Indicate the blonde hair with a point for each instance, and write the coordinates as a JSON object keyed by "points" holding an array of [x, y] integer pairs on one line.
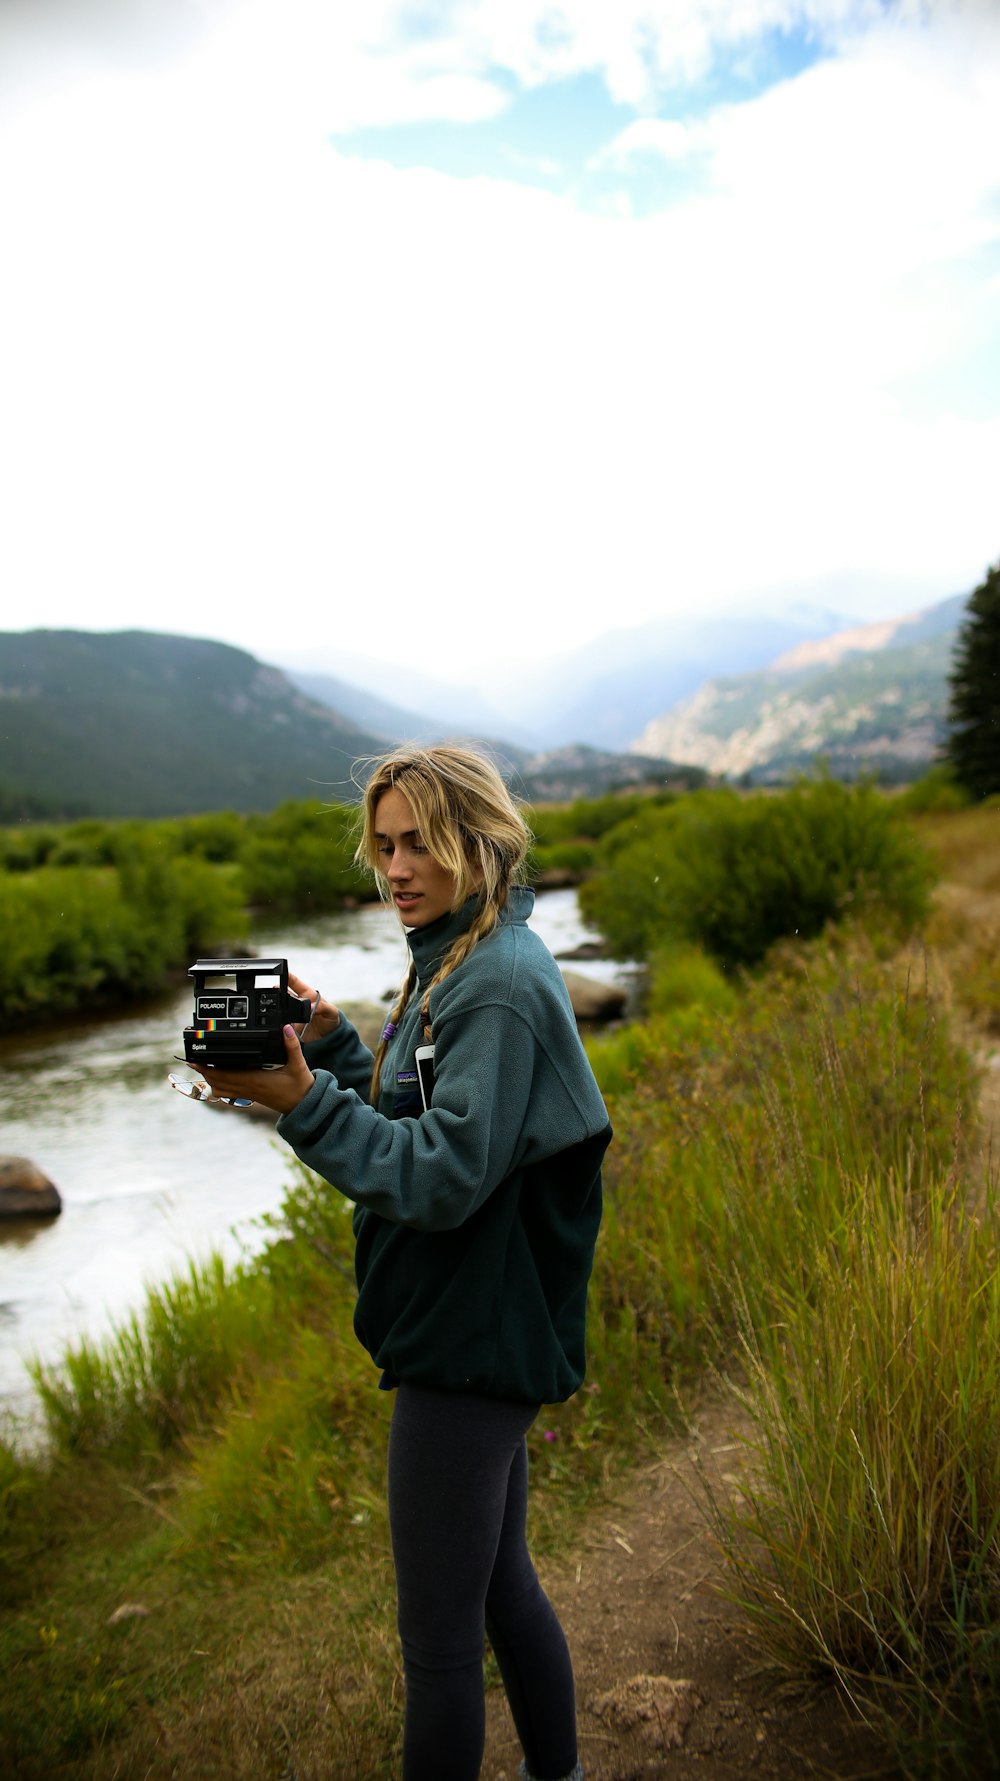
{"points": [[470, 824]]}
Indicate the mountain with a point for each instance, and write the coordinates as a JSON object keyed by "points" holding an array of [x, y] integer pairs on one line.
{"points": [[378, 715], [356, 686], [600, 693], [460, 714], [872, 698], [133, 723], [547, 776], [605, 690]]}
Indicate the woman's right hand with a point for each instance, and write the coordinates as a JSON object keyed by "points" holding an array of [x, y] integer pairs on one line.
{"points": [[325, 1017]]}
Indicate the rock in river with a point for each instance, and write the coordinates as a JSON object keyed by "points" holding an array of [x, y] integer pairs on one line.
{"points": [[24, 1191], [593, 1000]]}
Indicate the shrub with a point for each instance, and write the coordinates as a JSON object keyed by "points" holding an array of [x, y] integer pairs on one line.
{"points": [[685, 977], [937, 793], [76, 934], [587, 819], [301, 857], [735, 874], [576, 857]]}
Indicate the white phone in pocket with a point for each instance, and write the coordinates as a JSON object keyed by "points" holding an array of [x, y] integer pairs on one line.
{"points": [[424, 1056]]}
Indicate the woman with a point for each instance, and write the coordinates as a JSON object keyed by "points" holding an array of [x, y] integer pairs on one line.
{"points": [[475, 1223]]}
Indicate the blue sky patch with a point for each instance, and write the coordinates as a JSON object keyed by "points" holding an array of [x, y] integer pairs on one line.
{"points": [[552, 136]]}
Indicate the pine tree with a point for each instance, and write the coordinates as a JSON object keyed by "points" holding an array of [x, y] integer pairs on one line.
{"points": [[974, 742]]}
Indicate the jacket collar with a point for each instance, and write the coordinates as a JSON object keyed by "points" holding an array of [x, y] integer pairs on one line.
{"points": [[428, 945]]}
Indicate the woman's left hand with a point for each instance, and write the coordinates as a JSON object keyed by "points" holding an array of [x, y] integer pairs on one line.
{"points": [[281, 1090]]}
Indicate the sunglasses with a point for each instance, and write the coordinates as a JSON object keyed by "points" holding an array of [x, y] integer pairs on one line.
{"points": [[195, 1090]]}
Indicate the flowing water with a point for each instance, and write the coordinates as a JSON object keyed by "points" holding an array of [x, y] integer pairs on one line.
{"points": [[148, 1179]]}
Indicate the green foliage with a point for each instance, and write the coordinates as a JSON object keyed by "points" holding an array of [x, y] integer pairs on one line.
{"points": [[736, 1141], [17, 1486], [100, 911], [566, 835], [573, 857], [974, 738], [683, 977], [734, 874], [301, 857], [292, 1463], [74, 935], [936, 794], [257, 1372], [70, 1704], [165, 1370], [867, 1539], [587, 819]]}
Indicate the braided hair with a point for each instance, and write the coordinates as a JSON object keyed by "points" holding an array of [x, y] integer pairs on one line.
{"points": [[470, 825]]}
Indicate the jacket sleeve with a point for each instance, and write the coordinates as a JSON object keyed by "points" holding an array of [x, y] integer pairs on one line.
{"points": [[433, 1172], [345, 1054]]}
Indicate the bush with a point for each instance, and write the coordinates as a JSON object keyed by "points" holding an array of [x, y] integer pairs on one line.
{"points": [[682, 977], [576, 857], [587, 819], [735, 874], [934, 795], [76, 934], [301, 857]]}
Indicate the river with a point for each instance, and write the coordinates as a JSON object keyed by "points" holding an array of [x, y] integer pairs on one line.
{"points": [[148, 1179]]}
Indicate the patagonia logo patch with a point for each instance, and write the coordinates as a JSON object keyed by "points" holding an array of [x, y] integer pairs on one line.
{"points": [[406, 1078]]}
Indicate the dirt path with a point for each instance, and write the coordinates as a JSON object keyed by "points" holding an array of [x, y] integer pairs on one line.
{"points": [[667, 1680], [668, 1677]]}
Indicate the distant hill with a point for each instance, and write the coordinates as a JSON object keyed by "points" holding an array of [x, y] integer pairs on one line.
{"points": [[438, 710], [561, 774], [551, 776], [870, 699], [134, 723], [380, 717]]}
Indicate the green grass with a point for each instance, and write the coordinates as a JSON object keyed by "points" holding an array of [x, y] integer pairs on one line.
{"points": [[867, 1540]]}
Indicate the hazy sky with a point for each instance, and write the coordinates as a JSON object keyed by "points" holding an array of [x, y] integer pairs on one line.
{"points": [[473, 329]]}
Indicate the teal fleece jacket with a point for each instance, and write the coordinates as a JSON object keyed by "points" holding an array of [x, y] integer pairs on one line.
{"points": [[475, 1221]]}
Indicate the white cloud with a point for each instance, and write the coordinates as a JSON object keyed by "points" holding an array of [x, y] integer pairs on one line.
{"points": [[640, 47], [666, 138], [257, 389]]}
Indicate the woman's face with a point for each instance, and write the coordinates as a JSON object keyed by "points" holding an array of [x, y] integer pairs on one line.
{"points": [[421, 889]]}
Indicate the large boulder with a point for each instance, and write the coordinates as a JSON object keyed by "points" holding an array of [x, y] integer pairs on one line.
{"points": [[593, 1000], [25, 1192]]}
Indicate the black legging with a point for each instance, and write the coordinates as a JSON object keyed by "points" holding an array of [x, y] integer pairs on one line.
{"points": [[458, 1493]]}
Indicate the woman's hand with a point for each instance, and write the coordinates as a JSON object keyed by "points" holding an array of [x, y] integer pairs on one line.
{"points": [[325, 1017], [281, 1089]]}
